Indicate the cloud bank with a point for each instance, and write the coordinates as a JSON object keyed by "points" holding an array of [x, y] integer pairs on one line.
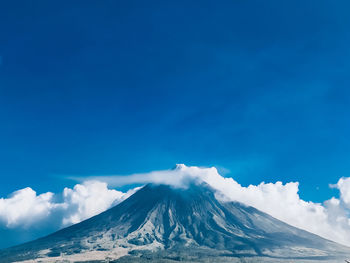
{"points": [[25, 209], [330, 219]]}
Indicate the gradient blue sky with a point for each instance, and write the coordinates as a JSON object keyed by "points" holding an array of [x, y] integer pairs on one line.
{"points": [[259, 89]]}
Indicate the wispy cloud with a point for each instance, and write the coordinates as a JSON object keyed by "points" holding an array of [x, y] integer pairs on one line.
{"points": [[177, 177]]}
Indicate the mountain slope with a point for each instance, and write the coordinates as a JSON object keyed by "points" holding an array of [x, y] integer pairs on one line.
{"points": [[163, 222]]}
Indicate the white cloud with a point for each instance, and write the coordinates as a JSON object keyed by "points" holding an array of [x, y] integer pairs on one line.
{"points": [[344, 187], [329, 219], [25, 209], [88, 199]]}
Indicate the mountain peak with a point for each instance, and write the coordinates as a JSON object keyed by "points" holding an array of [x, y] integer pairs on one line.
{"points": [[165, 220]]}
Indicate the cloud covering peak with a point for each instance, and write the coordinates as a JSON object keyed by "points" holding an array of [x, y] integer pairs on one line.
{"points": [[180, 176], [330, 219]]}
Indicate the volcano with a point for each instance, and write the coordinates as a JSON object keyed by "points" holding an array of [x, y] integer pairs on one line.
{"points": [[160, 223]]}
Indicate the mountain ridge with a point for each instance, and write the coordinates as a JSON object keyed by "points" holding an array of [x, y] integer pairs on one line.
{"points": [[160, 219]]}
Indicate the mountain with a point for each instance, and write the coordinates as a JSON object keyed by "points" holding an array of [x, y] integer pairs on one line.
{"points": [[164, 224]]}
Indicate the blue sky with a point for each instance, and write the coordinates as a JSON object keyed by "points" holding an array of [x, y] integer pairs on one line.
{"points": [[258, 89]]}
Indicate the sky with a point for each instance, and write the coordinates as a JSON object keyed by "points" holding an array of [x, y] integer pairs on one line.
{"points": [[95, 88]]}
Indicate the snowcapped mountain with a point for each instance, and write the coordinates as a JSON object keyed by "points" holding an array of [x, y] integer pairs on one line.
{"points": [[160, 223]]}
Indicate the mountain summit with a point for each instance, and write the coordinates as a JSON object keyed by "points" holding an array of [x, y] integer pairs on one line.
{"points": [[167, 224]]}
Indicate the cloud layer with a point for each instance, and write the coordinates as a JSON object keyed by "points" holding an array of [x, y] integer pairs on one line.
{"points": [[330, 219]]}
